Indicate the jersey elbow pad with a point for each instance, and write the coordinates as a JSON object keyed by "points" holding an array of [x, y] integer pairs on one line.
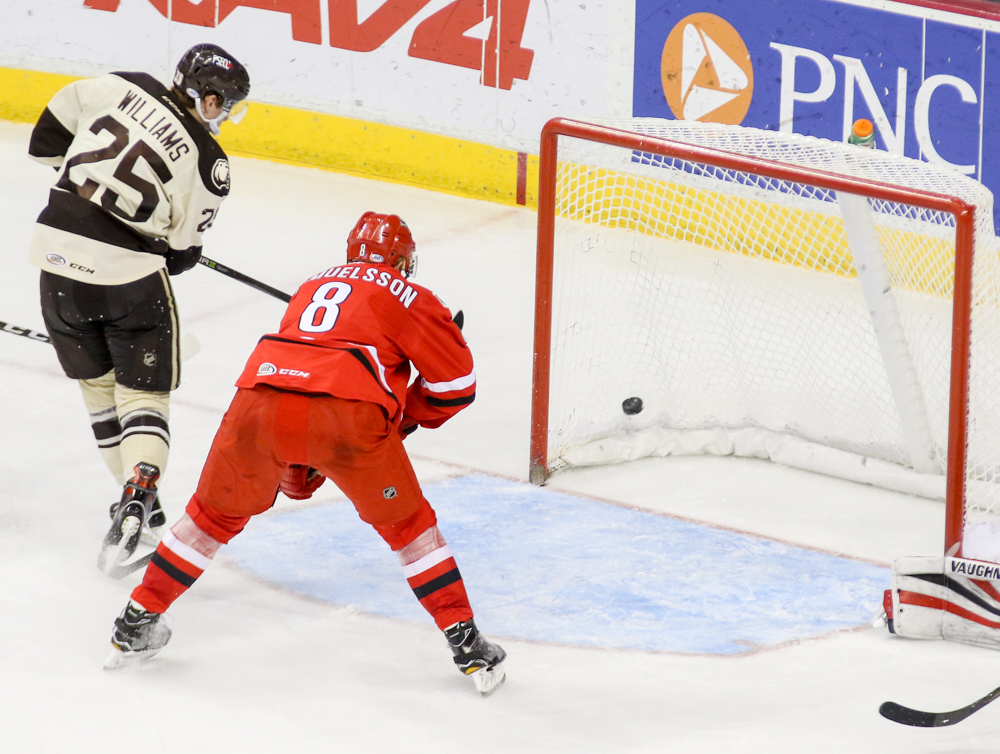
{"points": [[50, 140]]}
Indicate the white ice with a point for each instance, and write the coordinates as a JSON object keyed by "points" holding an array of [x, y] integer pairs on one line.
{"points": [[255, 669]]}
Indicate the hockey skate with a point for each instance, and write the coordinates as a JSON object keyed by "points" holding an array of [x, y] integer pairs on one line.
{"points": [[131, 514], [152, 532], [138, 635], [476, 656]]}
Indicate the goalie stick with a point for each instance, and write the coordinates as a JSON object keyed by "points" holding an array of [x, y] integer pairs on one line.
{"points": [[906, 716], [230, 272]]}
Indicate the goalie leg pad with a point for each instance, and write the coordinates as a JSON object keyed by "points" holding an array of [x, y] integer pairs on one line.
{"points": [[917, 601], [951, 598]]}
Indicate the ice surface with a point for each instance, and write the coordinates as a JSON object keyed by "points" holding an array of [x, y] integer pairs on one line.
{"points": [[255, 668]]}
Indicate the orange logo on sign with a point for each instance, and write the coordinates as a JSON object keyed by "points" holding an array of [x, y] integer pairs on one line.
{"points": [[706, 71]]}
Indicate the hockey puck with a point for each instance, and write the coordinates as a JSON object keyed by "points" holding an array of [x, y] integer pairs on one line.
{"points": [[632, 406]]}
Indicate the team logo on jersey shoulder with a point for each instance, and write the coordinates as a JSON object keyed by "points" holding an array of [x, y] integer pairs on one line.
{"points": [[220, 174], [55, 259], [266, 369]]}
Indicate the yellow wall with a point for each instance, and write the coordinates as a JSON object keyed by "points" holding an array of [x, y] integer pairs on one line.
{"points": [[344, 145]]}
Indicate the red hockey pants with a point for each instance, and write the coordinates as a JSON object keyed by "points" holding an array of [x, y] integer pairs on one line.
{"points": [[352, 443]]}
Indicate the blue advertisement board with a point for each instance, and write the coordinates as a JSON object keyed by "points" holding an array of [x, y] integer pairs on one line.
{"points": [[927, 80]]}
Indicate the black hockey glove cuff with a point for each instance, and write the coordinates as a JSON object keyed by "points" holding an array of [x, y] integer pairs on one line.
{"points": [[182, 261]]}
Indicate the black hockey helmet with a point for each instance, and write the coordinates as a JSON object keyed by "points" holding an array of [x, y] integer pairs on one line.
{"points": [[208, 69]]}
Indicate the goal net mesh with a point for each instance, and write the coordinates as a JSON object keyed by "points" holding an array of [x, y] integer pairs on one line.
{"points": [[731, 305]]}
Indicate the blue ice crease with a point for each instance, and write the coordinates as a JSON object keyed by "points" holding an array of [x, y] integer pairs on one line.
{"points": [[549, 566]]}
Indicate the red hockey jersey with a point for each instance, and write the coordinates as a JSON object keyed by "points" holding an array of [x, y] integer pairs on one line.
{"points": [[353, 330]]}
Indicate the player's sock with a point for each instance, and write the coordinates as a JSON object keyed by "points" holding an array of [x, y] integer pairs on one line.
{"points": [[181, 557], [433, 576], [99, 397]]}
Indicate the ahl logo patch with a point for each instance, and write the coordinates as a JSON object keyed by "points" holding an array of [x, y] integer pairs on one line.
{"points": [[266, 369], [55, 259], [389, 493], [220, 174]]}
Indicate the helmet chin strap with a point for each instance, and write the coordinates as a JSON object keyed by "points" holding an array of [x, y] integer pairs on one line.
{"points": [[212, 123]]}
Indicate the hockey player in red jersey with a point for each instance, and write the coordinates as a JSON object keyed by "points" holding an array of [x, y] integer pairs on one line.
{"points": [[327, 396], [140, 180]]}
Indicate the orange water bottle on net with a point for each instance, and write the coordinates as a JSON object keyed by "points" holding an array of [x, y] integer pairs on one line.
{"points": [[862, 133]]}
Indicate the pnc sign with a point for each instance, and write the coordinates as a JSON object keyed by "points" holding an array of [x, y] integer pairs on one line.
{"points": [[706, 71], [927, 80]]}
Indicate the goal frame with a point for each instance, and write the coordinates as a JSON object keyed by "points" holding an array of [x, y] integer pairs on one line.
{"points": [[963, 212]]}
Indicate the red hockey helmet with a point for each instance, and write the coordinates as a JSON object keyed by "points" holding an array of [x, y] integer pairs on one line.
{"points": [[382, 239]]}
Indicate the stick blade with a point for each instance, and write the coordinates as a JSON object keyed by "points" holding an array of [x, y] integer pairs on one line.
{"points": [[906, 716], [190, 345]]}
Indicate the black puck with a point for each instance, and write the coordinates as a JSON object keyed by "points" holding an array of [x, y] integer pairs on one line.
{"points": [[632, 406]]}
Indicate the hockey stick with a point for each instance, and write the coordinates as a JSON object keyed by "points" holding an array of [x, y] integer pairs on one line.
{"points": [[190, 345], [24, 332], [121, 571], [230, 272], [906, 716]]}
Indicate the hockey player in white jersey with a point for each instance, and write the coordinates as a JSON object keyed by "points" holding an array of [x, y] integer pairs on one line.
{"points": [[140, 179]]}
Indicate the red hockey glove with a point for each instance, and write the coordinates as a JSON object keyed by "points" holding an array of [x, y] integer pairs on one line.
{"points": [[407, 427], [300, 482]]}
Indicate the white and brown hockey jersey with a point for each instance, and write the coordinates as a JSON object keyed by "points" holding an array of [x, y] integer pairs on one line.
{"points": [[138, 176]]}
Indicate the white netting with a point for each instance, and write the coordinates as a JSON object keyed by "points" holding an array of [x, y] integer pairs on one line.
{"points": [[731, 305]]}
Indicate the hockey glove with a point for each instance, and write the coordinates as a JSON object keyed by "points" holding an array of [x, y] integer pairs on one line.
{"points": [[300, 482], [183, 260]]}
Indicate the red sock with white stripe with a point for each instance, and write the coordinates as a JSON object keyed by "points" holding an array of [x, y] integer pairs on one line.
{"points": [[180, 558], [433, 574]]}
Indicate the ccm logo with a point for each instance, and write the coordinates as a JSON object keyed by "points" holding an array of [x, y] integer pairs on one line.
{"points": [[267, 369]]}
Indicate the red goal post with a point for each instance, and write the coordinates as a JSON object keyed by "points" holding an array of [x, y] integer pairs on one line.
{"points": [[641, 142]]}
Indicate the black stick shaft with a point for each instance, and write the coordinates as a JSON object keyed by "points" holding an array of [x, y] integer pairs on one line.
{"points": [[24, 332], [906, 716], [230, 272]]}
